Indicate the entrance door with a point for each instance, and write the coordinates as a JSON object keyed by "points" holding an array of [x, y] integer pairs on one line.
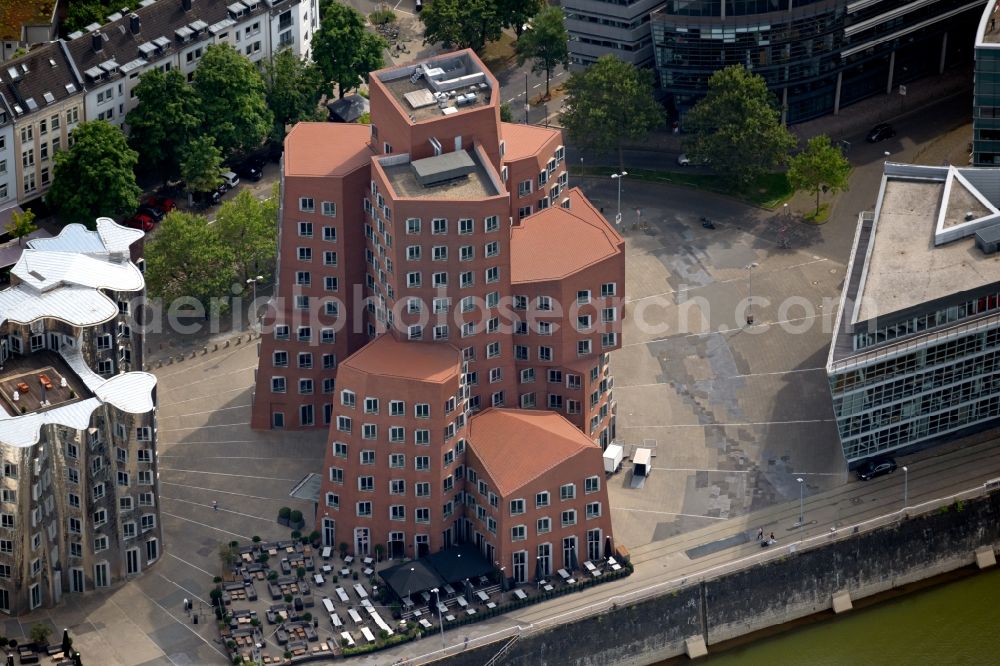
{"points": [[329, 532], [594, 545], [544, 562], [132, 561], [397, 545], [76, 581], [361, 541], [520, 567], [101, 574], [54, 341], [423, 545]]}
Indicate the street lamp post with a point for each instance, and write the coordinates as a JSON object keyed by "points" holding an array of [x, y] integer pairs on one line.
{"points": [[437, 602], [906, 486], [750, 268], [527, 101], [253, 304], [801, 499], [618, 177]]}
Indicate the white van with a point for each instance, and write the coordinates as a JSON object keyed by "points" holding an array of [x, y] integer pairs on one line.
{"points": [[231, 179]]}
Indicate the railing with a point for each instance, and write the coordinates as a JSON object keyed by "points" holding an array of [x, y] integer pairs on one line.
{"points": [[835, 534]]}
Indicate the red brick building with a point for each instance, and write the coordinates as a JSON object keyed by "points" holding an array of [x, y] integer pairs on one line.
{"points": [[433, 265]]}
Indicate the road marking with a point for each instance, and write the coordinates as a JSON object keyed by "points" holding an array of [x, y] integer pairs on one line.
{"points": [[202, 398], [710, 425], [211, 527], [242, 476], [211, 411], [224, 492], [193, 566], [752, 374], [537, 85], [220, 425], [512, 99], [726, 329], [667, 513], [209, 506], [175, 618]]}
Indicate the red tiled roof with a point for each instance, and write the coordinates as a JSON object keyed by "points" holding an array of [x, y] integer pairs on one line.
{"points": [[517, 446], [422, 361], [522, 141], [326, 149], [557, 242]]}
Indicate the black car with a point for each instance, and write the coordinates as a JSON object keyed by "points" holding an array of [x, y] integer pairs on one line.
{"points": [[251, 170], [880, 132], [152, 211], [872, 468]]}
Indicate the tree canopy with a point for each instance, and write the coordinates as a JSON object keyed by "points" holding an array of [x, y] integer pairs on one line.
{"points": [[202, 165], [21, 224], [462, 23], [546, 44], [233, 106], [343, 49], [819, 168], [166, 119], [186, 257], [249, 228], [292, 89], [610, 102], [515, 13], [96, 176], [737, 126]]}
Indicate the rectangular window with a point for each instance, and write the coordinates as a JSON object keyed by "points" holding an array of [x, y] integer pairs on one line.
{"points": [[307, 205], [567, 492], [329, 209], [543, 525]]}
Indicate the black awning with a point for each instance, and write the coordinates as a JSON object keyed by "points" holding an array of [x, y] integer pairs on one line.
{"points": [[458, 563], [410, 578]]}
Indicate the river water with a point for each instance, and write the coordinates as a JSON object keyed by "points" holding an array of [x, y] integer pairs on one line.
{"points": [[952, 623]]}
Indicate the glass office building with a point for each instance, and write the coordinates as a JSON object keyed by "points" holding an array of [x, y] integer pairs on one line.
{"points": [[915, 354], [986, 90], [817, 56]]}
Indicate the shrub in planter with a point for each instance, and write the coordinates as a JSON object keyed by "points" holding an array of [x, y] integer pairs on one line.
{"points": [[234, 544], [288, 598], [217, 580], [343, 549], [273, 575], [262, 558], [284, 513], [307, 616], [295, 520], [296, 535], [256, 539], [300, 572], [315, 537], [354, 574]]}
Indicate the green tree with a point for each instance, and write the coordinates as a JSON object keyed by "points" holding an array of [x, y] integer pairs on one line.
{"points": [[186, 257], [506, 114], [819, 168], [249, 228], [96, 176], [40, 633], [610, 102], [737, 126], [464, 24], [515, 13], [546, 44], [233, 105], [81, 13], [292, 89], [166, 119], [21, 224], [202, 165], [344, 49]]}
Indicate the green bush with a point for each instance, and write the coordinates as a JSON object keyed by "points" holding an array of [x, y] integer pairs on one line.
{"points": [[256, 539], [295, 533], [288, 598], [284, 512], [382, 16], [296, 517]]}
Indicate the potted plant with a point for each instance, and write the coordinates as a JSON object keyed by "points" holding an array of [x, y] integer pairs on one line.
{"points": [[284, 513], [301, 573], [343, 549], [40, 634], [295, 520], [315, 538], [379, 550], [296, 535]]}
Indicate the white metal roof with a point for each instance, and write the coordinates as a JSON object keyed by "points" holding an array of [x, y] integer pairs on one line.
{"points": [[130, 392], [45, 270], [78, 306], [23, 431], [110, 238]]}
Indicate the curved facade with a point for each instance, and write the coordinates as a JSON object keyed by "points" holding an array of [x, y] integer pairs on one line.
{"points": [[816, 56]]}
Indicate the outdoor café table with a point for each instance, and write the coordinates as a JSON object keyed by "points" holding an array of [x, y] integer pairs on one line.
{"points": [[482, 596], [449, 590], [369, 572], [347, 637], [563, 574], [368, 560], [335, 619], [328, 605], [318, 578], [470, 611], [547, 588], [590, 565], [326, 552], [425, 624], [327, 569], [348, 559], [345, 572], [355, 615], [461, 601], [416, 612], [367, 633], [342, 595], [491, 605], [449, 618], [520, 594], [360, 589], [442, 608]]}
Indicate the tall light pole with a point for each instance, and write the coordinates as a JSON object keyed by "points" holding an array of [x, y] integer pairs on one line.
{"points": [[618, 177], [906, 485], [801, 499], [437, 598], [527, 101], [253, 304], [750, 268]]}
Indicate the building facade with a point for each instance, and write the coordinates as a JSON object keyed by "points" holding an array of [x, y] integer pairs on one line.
{"points": [[986, 90], [8, 164], [432, 265], [619, 27], [916, 346], [78, 494], [817, 56]]}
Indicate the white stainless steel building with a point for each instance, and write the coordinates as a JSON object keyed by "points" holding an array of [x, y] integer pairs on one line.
{"points": [[78, 493], [915, 354]]}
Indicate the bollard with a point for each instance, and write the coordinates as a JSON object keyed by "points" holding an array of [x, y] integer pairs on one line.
{"points": [[170, 360], [204, 350], [193, 354], [225, 346], [216, 348], [239, 340], [159, 364]]}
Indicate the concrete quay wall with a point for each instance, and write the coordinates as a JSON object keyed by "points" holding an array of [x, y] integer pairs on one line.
{"points": [[779, 591]]}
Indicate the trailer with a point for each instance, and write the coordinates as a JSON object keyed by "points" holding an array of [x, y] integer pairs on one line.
{"points": [[613, 458], [642, 462]]}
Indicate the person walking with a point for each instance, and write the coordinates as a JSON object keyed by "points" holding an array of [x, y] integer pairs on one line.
{"points": [[760, 534], [215, 505], [772, 537]]}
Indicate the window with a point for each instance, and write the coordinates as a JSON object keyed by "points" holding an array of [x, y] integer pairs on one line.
{"points": [[465, 226], [347, 398], [421, 437], [397, 460], [330, 210], [336, 475], [305, 360], [422, 463], [413, 225], [518, 533], [368, 457], [423, 515], [333, 500], [366, 483], [568, 517], [608, 289], [422, 489], [397, 408], [281, 332], [371, 405], [305, 254], [592, 484], [439, 226], [594, 510], [516, 507], [397, 512], [343, 424], [492, 275], [307, 205], [543, 525], [524, 188], [567, 492], [422, 410], [583, 297], [364, 509]]}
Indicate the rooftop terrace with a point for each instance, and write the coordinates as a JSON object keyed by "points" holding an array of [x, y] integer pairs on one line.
{"points": [[989, 26], [439, 87], [456, 175], [37, 382]]}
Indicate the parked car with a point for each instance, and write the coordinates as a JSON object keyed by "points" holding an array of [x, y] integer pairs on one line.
{"points": [[230, 179], [140, 221], [684, 160], [165, 204], [880, 132], [877, 467], [156, 213], [251, 169], [206, 199]]}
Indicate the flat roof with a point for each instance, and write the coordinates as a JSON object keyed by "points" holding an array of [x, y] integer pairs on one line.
{"points": [[906, 262], [422, 361], [439, 86], [406, 182], [988, 34]]}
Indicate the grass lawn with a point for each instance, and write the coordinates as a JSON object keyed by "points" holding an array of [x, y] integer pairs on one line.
{"points": [[817, 217], [499, 55], [768, 191]]}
